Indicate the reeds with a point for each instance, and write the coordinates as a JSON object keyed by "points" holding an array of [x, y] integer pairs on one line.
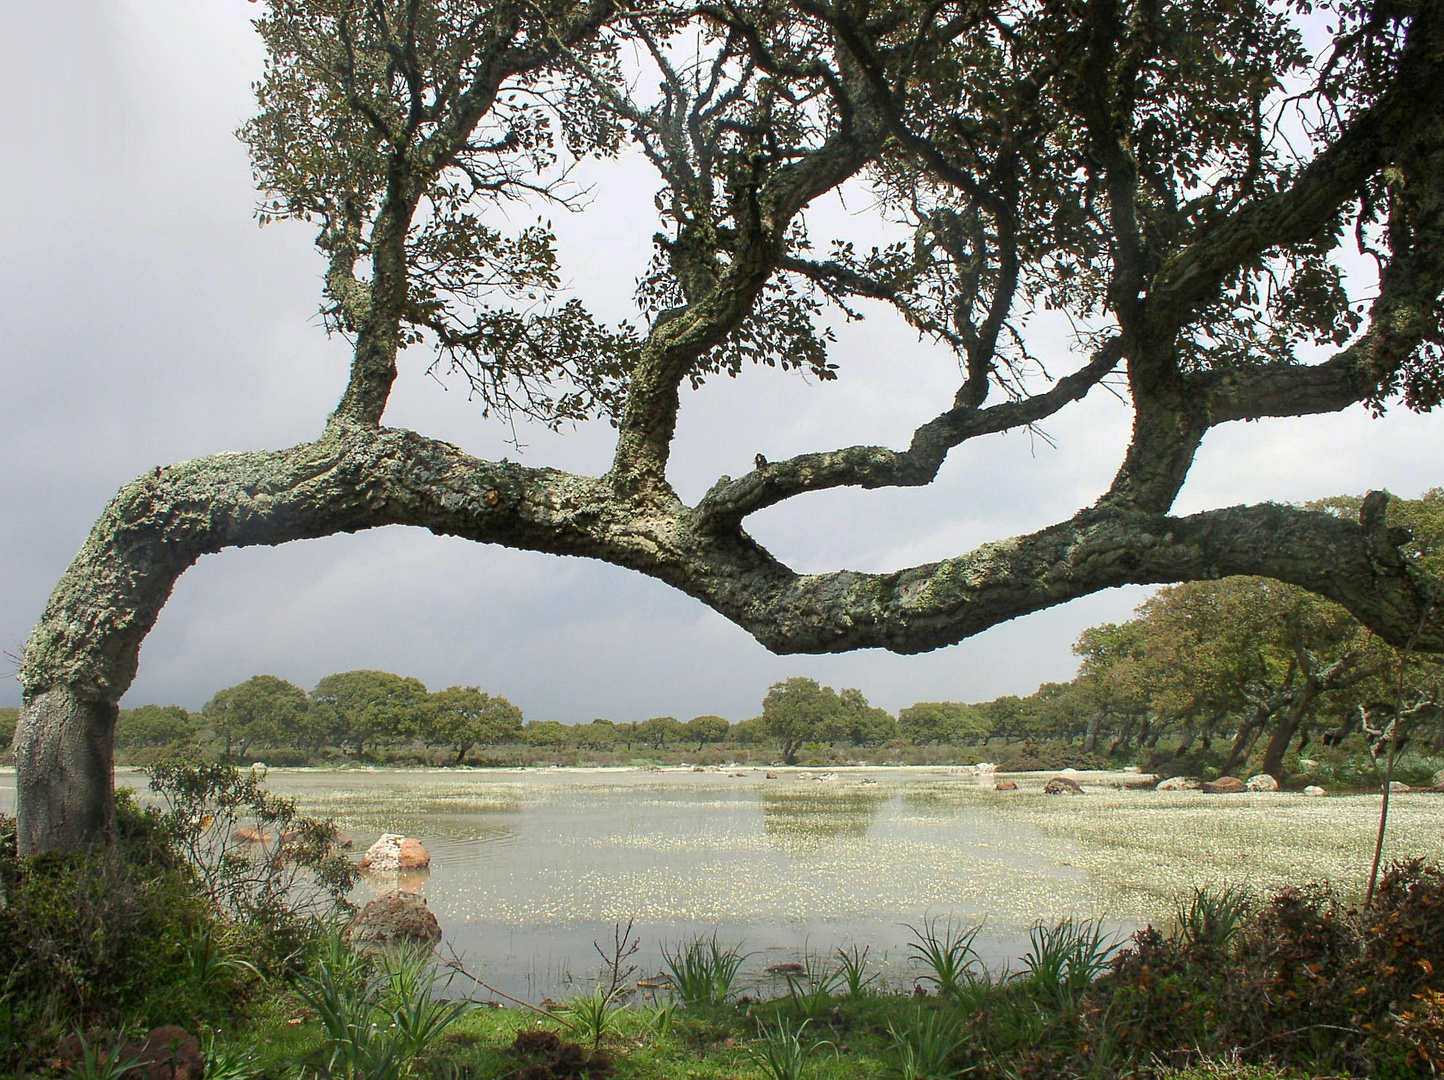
{"points": [[925, 1046], [379, 1024], [946, 949], [702, 971]]}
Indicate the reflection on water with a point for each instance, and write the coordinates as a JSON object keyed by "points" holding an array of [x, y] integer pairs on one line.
{"points": [[529, 868]]}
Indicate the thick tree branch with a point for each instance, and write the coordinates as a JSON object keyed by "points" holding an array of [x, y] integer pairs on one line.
{"points": [[729, 501], [1192, 277]]}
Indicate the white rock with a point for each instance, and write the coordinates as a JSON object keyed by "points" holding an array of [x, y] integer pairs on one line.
{"points": [[385, 854], [986, 767], [1180, 783], [1262, 782], [1399, 787], [1313, 791], [1310, 763], [1438, 778]]}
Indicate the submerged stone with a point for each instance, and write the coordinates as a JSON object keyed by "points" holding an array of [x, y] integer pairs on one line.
{"points": [[398, 918]]}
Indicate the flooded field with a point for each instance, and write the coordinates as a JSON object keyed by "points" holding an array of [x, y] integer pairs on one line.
{"points": [[530, 867]]}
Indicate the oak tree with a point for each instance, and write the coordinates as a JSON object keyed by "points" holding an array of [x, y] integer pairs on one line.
{"points": [[1183, 179], [264, 708], [465, 716], [365, 708]]}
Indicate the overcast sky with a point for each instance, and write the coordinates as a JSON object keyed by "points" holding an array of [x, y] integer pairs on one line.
{"points": [[146, 319]]}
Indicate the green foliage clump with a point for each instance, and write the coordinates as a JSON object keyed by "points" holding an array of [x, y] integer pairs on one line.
{"points": [[107, 937], [1299, 980], [178, 922]]}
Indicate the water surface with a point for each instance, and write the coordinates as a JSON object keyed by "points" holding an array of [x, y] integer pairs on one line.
{"points": [[529, 867]]}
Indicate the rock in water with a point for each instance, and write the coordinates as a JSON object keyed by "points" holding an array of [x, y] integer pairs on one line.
{"points": [[413, 856], [394, 852], [1180, 783], [398, 918], [1062, 785], [1262, 782], [1224, 785]]}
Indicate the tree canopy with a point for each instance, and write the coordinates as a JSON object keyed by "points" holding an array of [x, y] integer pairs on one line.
{"points": [[1190, 183], [261, 708]]}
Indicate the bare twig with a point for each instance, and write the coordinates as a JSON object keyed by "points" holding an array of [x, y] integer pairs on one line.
{"points": [[1395, 742], [455, 964]]}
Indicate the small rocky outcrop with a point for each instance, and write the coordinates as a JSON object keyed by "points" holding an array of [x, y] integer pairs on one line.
{"points": [[1062, 785], [1179, 783], [1262, 782], [167, 1053], [1313, 791], [394, 852], [1398, 787], [1005, 785], [398, 918], [1224, 785]]}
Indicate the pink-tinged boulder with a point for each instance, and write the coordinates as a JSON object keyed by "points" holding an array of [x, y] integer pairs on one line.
{"points": [[412, 856], [1262, 782], [1225, 785], [1005, 785], [394, 852], [398, 918], [246, 835]]}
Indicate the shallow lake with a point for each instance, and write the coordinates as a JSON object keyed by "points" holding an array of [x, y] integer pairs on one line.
{"points": [[529, 867]]}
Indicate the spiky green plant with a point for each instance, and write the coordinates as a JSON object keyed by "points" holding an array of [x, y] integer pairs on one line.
{"points": [[780, 1050], [702, 971], [595, 1014], [379, 1025], [947, 952], [852, 968], [1064, 958], [925, 1046], [1212, 916]]}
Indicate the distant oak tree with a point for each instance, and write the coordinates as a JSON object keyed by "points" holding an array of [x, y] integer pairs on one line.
{"points": [[262, 709], [1182, 179]]}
